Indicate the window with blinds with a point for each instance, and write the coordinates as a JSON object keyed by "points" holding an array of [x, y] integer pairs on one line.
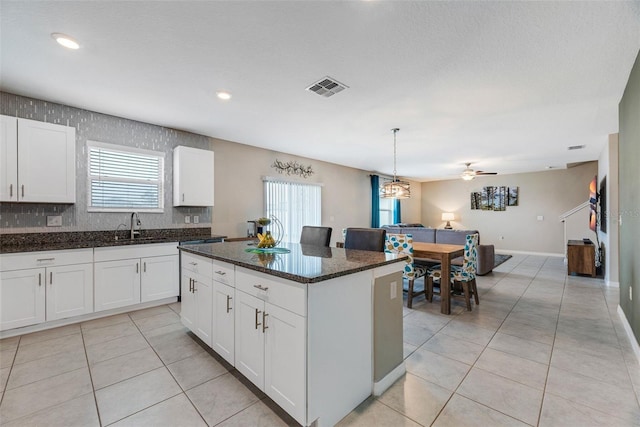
{"points": [[124, 179], [295, 204]]}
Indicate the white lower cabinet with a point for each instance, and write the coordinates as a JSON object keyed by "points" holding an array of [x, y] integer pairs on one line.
{"points": [[22, 298], [117, 283], [197, 296], [249, 358], [284, 360], [133, 274], [271, 340], [42, 286], [69, 291], [159, 278], [223, 329]]}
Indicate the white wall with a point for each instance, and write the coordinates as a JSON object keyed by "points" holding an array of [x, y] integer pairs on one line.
{"points": [[548, 194], [346, 192]]}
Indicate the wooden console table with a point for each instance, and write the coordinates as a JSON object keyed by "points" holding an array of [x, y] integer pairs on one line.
{"points": [[581, 257]]}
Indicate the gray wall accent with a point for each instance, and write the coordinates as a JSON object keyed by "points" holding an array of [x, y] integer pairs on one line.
{"points": [[387, 325], [31, 217], [629, 175]]}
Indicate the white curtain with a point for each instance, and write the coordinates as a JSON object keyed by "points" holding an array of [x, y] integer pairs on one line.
{"points": [[295, 204]]}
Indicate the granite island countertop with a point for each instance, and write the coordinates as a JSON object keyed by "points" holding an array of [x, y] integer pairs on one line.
{"points": [[33, 242], [303, 264]]}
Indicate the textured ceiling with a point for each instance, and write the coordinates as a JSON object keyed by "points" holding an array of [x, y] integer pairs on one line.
{"points": [[507, 86]]}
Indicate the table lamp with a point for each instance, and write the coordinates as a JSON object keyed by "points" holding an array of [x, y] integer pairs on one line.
{"points": [[448, 216]]}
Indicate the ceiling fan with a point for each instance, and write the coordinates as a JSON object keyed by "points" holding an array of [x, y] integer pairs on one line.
{"points": [[468, 174]]}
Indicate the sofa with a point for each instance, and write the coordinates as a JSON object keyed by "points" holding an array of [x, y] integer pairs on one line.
{"points": [[486, 253]]}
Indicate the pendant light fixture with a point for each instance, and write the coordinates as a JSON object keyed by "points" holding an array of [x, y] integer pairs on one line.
{"points": [[395, 189]]}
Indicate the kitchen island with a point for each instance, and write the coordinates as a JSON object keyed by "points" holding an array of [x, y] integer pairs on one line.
{"points": [[317, 329]]}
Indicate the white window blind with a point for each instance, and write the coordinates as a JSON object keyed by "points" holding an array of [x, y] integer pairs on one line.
{"points": [[294, 204], [124, 179]]}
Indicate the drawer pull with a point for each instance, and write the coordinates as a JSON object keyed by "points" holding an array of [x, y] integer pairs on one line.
{"points": [[220, 272], [257, 314], [45, 259], [260, 287], [228, 301], [264, 322]]}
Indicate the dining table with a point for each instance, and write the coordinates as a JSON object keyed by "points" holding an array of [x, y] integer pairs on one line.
{"points": [[444, 253]]}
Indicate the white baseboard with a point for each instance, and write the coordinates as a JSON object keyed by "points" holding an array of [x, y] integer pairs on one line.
{"points": [[612, 284], [83, 318], [512, 252], [629, 331], [386, 382]]}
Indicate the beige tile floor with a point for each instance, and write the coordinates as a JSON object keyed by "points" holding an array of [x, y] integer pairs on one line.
{"points": [[541, 349]]}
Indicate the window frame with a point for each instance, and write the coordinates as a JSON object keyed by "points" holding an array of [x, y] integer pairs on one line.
{"points": [[290, 236], [161, 156]]}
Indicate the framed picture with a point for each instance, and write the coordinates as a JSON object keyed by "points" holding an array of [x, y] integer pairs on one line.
{"points": [[603, 205], [513, 196]]}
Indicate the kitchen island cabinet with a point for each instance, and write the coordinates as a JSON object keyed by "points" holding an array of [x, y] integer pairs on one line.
{"points": [[302, 325]]}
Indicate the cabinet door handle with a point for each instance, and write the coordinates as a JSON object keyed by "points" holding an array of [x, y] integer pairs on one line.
{"points": [[137, 267], [39, 279], [51, 277], [190, 285], [228, 301], [144, 266], [10, 190], [261, 288], [264, 322], [257, 314], [220, 272], [22, 190], [183, 197], [45, 259]]}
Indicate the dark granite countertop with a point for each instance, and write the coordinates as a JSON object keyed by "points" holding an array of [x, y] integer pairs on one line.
{"points": [[304, 264], [31, 242]]}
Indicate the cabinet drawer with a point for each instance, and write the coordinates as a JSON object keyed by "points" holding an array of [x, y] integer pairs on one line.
{"points": [[287, 294], [224, 272], [196, 264], [24, 260], [113, 253]]}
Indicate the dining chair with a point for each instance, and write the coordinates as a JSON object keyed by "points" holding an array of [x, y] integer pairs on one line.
{"points": [[365, 239], [464, 276], [403, 244], [317, 236]]}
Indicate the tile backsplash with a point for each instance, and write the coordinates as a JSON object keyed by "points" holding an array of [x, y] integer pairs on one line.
{"points": [[92, 126]]}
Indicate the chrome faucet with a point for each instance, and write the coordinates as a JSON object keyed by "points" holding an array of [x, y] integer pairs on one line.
{"points": [[135, 233]]}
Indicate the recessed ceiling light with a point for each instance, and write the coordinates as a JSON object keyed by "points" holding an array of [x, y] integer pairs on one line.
{"points": [[223, 94], [65, 40]]}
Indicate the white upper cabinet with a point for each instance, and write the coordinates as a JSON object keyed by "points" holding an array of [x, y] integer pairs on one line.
{"points": [[38, 161], [8, 159], [192, 177]]}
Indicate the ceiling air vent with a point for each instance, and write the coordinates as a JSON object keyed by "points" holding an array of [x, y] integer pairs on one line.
{"points": [[327, 86], [576, 147]]}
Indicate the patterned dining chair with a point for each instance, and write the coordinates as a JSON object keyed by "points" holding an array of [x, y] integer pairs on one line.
{"points": [[463, 276], [403, 244]]}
